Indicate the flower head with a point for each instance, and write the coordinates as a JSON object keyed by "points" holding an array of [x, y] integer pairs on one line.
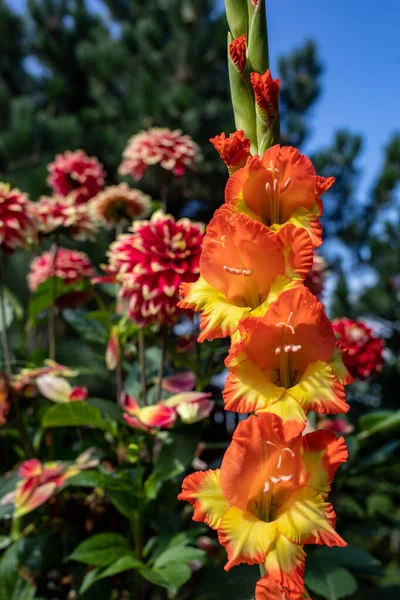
{"points": [[152, 262], [179, 382], [76, 174], [286, 362], [234, 280], [64, 215], [279, 187], [59, 390], [266, 91], [362, 349], [26, 378], [237, 52], [159, 146], [189, 406], [233, 150], [269, 497], [120, 202], [71, 266], [39, 481], [17, 222]]}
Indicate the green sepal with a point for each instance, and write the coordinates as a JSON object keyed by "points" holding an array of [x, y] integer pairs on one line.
{"points": [[242, 101], [257, 39], [237, 16]]}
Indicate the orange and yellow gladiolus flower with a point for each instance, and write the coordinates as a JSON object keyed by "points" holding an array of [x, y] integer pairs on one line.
{"points": [[287, 362], [269, 498], [244, 266], [280, 187]]}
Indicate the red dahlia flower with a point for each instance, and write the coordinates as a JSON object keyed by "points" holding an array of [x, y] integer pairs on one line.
{"points": [[17, 223], [152, 262], [362, 350], [170, 149], [77, 174], [71, 266], [59, 214]]}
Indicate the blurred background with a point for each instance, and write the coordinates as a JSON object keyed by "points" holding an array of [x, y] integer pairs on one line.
{"points": [[89, 74]]}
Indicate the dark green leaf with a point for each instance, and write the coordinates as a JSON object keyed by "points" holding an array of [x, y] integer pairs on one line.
{"points": [[91, 330], [176, 453], [107, 407], [183, 554], [9, 572], [74, 414], [101, 550], [381, 424], [51, 289], [172, 577], [326, 578]]}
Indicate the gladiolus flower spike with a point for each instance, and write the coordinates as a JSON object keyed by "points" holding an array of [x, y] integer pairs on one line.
{"points": [[269, 498]]}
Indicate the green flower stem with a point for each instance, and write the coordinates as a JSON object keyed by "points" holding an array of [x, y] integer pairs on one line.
{"points": [[53, 307], [142, 362], [4, 332], [164, 347]]}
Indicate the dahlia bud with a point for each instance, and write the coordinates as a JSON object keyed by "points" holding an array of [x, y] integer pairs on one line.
{"points": [[233, 150], [112, 351], [237, 17], [78, 394], [237, 52], [266, 91]]}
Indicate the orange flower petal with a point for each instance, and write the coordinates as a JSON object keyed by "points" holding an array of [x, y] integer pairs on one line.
{"points": [[261, 447], [245, 538], [39, 496], [277, 184], [233, 258], [305, 516], [319, 390], [203, 490], [268, 589], [285, 564]]}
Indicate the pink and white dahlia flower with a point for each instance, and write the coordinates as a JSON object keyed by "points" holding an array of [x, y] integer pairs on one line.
{"points": [[77, 174], [159, 146], [71, 266], [58, 214], [151, 263], [118, 203], [17, 222]]}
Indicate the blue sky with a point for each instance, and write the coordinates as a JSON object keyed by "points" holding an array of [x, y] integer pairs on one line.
{"points": [[358, 42]]}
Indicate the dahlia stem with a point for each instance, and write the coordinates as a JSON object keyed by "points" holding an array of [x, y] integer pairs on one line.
{"points": [[119, 380], [164, 194], [4, 332], [52, 309], [142, 361], [164, 346]]}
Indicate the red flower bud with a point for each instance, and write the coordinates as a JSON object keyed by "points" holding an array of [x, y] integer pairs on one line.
{"points": [[266, 91], [233, 150], [237, 52]]}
